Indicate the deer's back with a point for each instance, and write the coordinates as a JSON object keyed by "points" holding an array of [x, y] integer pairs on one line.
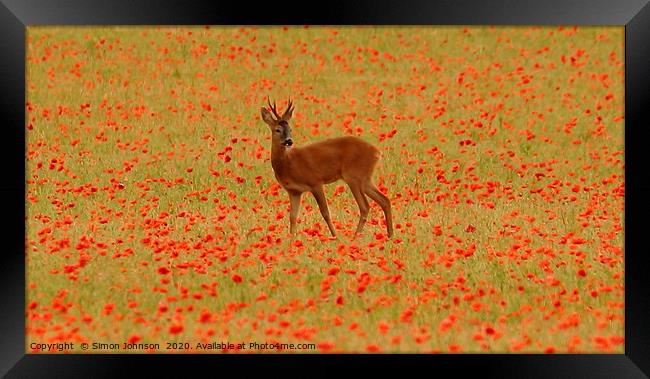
{"points": [[332, 159]]}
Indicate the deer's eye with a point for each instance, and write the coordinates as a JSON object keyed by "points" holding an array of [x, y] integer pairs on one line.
{"points": [[277, 130]]}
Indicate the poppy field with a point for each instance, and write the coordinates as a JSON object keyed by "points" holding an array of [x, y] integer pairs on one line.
{"points": [[153, 216]]}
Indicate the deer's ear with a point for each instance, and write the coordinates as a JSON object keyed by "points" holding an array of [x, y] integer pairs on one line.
{"points": [[287, 115], [267, 117]]}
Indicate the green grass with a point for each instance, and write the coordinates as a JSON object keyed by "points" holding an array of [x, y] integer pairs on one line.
{"points": [[150, 88]]}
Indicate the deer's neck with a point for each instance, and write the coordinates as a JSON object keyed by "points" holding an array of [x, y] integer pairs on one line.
{"points": [[279, 159]]}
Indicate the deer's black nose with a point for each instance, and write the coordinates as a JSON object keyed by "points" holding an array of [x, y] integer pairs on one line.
{"points": [[288, 142]]}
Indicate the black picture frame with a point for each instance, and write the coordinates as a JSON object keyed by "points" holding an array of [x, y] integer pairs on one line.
{"points": [[16, 15]]}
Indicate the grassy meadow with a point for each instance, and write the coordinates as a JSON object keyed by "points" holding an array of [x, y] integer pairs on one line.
{"points": [[153, 215]]}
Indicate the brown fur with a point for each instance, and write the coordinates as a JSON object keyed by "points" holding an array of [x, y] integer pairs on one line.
{"points": [[308, 168]]}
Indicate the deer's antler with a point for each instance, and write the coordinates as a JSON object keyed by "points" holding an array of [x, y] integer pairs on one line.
{"points": [[288, 108], [273, 108]]}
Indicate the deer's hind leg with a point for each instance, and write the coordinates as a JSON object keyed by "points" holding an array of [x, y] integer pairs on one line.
{"points": [[373, 193], [362, 202]]}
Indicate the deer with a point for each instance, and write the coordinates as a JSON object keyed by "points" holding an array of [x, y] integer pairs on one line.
{"points": [[308, 168]]}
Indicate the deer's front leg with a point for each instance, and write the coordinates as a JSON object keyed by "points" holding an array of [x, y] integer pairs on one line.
{"points": [[322, 205], [294, 199]]}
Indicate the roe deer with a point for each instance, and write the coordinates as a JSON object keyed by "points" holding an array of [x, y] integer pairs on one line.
{"points": [[309, 167]]}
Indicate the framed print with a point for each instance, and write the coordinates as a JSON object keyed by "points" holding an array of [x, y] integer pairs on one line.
{"points": [[451, 185]]}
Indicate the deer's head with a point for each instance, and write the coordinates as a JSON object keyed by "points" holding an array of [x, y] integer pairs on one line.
{"points": [[279, 125]]}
